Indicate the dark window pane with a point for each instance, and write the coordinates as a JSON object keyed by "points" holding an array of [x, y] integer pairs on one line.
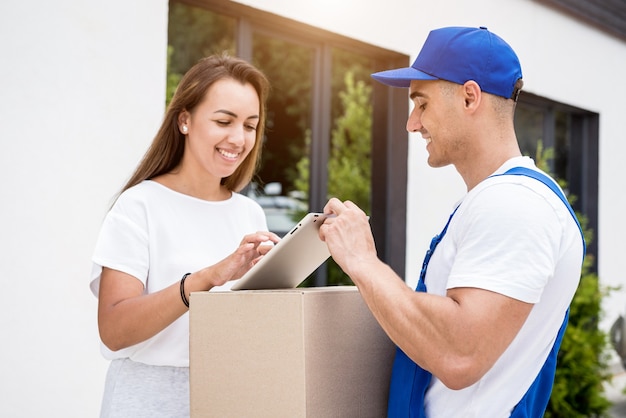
{"points": [[289, 69], [194, 33], [286, 150], [552, 127], [568, 138], [562, 135], [529, 128]]}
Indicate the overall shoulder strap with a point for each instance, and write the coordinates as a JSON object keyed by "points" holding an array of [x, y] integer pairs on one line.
{"points": [[523, 171]]}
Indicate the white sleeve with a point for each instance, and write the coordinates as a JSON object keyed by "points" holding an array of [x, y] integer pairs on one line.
{"points": [[508, 242], [122, 245]]}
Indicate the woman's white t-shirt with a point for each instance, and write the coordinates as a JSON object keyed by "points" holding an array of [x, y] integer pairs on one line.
{"points": [[157, 235]]}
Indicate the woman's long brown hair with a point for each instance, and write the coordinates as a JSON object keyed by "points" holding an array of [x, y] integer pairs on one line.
{"points": [[168, 146]]}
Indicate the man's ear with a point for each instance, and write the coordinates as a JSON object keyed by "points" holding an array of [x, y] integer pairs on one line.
{"points": [[472, 95]]}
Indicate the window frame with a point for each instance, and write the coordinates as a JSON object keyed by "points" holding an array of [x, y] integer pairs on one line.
{"points": [[583, 166], [390, 109]]}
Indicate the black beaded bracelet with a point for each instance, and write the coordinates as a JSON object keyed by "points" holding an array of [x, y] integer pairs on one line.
{"points": [[182, 290]]}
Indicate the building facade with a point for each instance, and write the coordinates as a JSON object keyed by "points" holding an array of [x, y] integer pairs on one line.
{"points": [[85, 89]]}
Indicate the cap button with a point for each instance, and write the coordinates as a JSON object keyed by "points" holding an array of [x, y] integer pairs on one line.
{"points": [[483, 27]]}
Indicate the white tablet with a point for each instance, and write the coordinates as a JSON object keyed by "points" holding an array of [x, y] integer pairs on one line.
{"points": [[291, 260]]}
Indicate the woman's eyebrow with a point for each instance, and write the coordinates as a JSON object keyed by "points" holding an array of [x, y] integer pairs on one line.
{"points": [[234, 115], [227, 112]]}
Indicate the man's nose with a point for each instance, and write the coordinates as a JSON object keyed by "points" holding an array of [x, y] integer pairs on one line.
{"points": [[413, 123]]}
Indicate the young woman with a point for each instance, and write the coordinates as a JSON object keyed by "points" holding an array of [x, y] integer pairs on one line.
{"points": [[177, 227]]}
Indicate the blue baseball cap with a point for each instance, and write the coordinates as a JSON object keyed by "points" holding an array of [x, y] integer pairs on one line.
{"points": [[460, 54]]}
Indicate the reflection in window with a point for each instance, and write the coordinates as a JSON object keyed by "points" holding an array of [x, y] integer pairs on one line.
{"points": [[288, 67], [349, 165], [195, 33], [529, 129], [534, 125], [562, 144]]}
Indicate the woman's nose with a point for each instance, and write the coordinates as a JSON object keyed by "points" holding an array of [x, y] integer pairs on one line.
{"points": [[237, 136]]}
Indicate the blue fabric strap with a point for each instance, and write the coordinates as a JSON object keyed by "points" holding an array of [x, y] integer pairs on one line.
{"points": [[409, 381], [523, 171]]}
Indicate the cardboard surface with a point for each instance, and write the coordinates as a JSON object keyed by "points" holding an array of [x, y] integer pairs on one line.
{"points": [[307, 352]]}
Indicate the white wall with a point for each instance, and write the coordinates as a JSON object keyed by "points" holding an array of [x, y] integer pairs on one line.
{"points": [[82, 95], [83, 91]]}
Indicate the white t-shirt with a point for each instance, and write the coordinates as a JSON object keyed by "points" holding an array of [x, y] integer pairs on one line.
{"points": [[156, 235], [514, 236]]}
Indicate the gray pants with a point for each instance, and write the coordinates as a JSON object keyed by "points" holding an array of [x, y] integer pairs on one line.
{"points": [[139, 390]]}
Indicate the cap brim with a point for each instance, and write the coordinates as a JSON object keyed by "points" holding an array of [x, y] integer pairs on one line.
{"points": [[401, 77]]}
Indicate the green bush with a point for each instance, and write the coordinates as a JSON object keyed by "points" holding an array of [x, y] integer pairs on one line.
{"points": [[582, 364]]}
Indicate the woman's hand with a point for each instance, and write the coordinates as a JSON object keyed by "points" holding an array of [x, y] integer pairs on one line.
{"points": [[251, 249], [127, 316]]}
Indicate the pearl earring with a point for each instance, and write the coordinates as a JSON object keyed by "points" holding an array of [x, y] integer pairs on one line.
{"points": [[184, 129]]}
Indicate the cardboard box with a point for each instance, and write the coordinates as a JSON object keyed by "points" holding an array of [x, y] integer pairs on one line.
{"points": [[307, 352]]}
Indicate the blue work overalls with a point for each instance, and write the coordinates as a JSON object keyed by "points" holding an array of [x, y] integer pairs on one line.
{"points": [[409, 381]]}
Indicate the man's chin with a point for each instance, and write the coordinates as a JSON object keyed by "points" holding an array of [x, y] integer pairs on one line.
{"points": [[436, 163]]}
